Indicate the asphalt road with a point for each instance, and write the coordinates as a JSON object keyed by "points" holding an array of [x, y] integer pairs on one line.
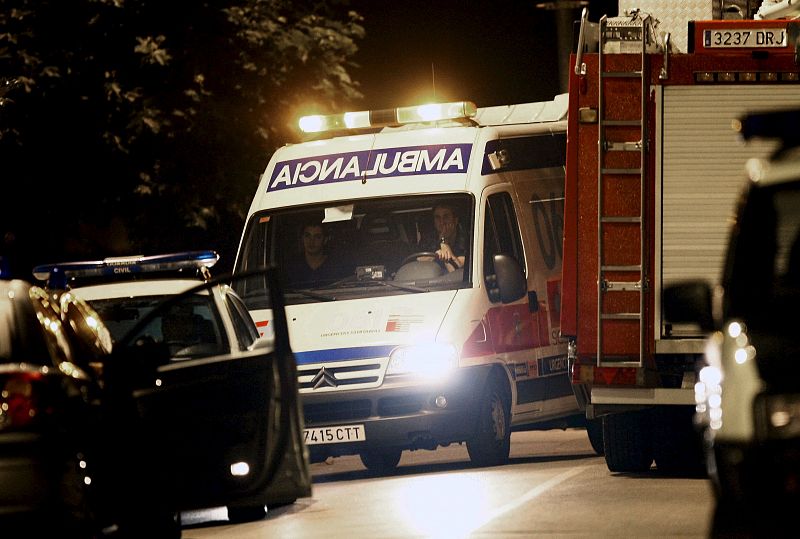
{"points": [[554, 486]]}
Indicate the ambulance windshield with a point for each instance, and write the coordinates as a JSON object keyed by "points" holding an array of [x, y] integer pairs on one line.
{"points": [[362, 248]]}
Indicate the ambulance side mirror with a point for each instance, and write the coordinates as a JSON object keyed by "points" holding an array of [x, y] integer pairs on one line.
{"points": [[511, 283]]}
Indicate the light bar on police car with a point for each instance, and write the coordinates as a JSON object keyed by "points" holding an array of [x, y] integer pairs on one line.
{"points": [[125, 265], [432, 112]]}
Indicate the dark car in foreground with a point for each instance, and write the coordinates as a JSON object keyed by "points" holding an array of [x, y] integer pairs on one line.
{"points": [[748, 393], [163, 436], [210, 321], [48, 408]]}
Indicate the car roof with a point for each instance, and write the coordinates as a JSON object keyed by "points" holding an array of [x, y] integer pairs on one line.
{"points": [[187, 264], [151, 287], [781, 125], [766, 172]]}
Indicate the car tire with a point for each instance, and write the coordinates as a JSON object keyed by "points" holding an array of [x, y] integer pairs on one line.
{"points": [[628, 441], [246, 513], [384, 460], [491, 443], [594, 428]]}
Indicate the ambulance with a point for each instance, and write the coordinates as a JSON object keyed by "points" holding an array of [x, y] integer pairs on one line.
{"points": [[395, 349]]}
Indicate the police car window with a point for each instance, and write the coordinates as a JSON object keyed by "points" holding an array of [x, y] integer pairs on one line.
{"points": [[122, 314], [787, 232], [191, 328], [763, 277], [246, 332]]}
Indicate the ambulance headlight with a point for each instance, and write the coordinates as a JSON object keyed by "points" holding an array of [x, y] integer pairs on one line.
{"points": [[426, 360]]}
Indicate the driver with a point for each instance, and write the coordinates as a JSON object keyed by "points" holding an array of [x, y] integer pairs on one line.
{"points": [[449, 244]]}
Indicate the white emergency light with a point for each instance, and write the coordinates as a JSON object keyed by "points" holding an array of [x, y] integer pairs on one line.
{"points": [[432, 112]]}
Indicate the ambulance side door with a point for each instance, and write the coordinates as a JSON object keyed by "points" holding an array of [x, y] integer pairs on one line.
{"points": [[540, 195], [513, 327]]}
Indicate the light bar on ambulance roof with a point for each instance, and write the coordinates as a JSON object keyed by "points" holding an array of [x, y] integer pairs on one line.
{"points": [[458, 110], [57, 274]]}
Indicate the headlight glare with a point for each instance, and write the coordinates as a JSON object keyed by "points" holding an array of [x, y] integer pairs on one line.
{"points": [[429, 360]]}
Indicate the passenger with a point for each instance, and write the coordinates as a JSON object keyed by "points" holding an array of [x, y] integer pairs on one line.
{"points": [[450, 243], [314, 266], [179, 329]]}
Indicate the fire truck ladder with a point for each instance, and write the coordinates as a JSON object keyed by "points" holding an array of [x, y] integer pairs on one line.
{"points": [[618, 279]]}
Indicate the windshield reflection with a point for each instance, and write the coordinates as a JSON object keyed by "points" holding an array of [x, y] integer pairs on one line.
{"points": [[362, 248]]}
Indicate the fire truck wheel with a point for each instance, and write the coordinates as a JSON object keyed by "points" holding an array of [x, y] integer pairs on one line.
{"points": [[594, 428], [382, 460], [628, 441], [491, 443]]}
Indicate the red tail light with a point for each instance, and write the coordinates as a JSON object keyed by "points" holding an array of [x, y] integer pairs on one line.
{"points": [[22, 401], [591, 374]]}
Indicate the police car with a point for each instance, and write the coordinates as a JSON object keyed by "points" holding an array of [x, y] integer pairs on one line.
{"points": [[123, 290], [748, 393], [168, 309]]}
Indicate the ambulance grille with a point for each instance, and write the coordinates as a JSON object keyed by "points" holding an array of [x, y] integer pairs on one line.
{"points": [[337, 411], [341, 375]]}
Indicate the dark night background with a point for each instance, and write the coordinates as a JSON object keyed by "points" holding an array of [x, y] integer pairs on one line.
{"points": [[489, 52], [142, 127]]}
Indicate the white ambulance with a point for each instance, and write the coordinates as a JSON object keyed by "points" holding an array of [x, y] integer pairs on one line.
{"points": [[396, 349]]}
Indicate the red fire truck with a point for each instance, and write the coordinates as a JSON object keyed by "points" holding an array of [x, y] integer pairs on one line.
{"points": [[653, 171]]}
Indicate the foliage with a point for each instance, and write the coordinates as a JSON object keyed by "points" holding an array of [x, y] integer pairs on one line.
{"points": [[142, 125]]}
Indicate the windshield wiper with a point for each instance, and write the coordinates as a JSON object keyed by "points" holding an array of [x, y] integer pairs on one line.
{"points": [[364, 283], [309, 294], [407, 288]]}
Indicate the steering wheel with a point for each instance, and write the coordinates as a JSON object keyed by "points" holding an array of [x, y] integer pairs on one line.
{"points": [[175, 346], [414, 256]]}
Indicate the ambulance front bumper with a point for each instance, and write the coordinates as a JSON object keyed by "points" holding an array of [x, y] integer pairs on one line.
{"points": [[401, 413]]}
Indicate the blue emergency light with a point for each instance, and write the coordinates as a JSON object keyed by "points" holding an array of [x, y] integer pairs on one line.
{"points": [[56, 275], [432, 112]]}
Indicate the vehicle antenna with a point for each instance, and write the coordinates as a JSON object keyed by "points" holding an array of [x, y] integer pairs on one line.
{"points": [[433, 81]]}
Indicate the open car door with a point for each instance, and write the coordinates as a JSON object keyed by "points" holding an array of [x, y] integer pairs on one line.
{"points": [[208, 432]]}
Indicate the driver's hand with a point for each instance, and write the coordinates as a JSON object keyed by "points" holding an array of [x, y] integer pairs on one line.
{"points": [[445, 254]]}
